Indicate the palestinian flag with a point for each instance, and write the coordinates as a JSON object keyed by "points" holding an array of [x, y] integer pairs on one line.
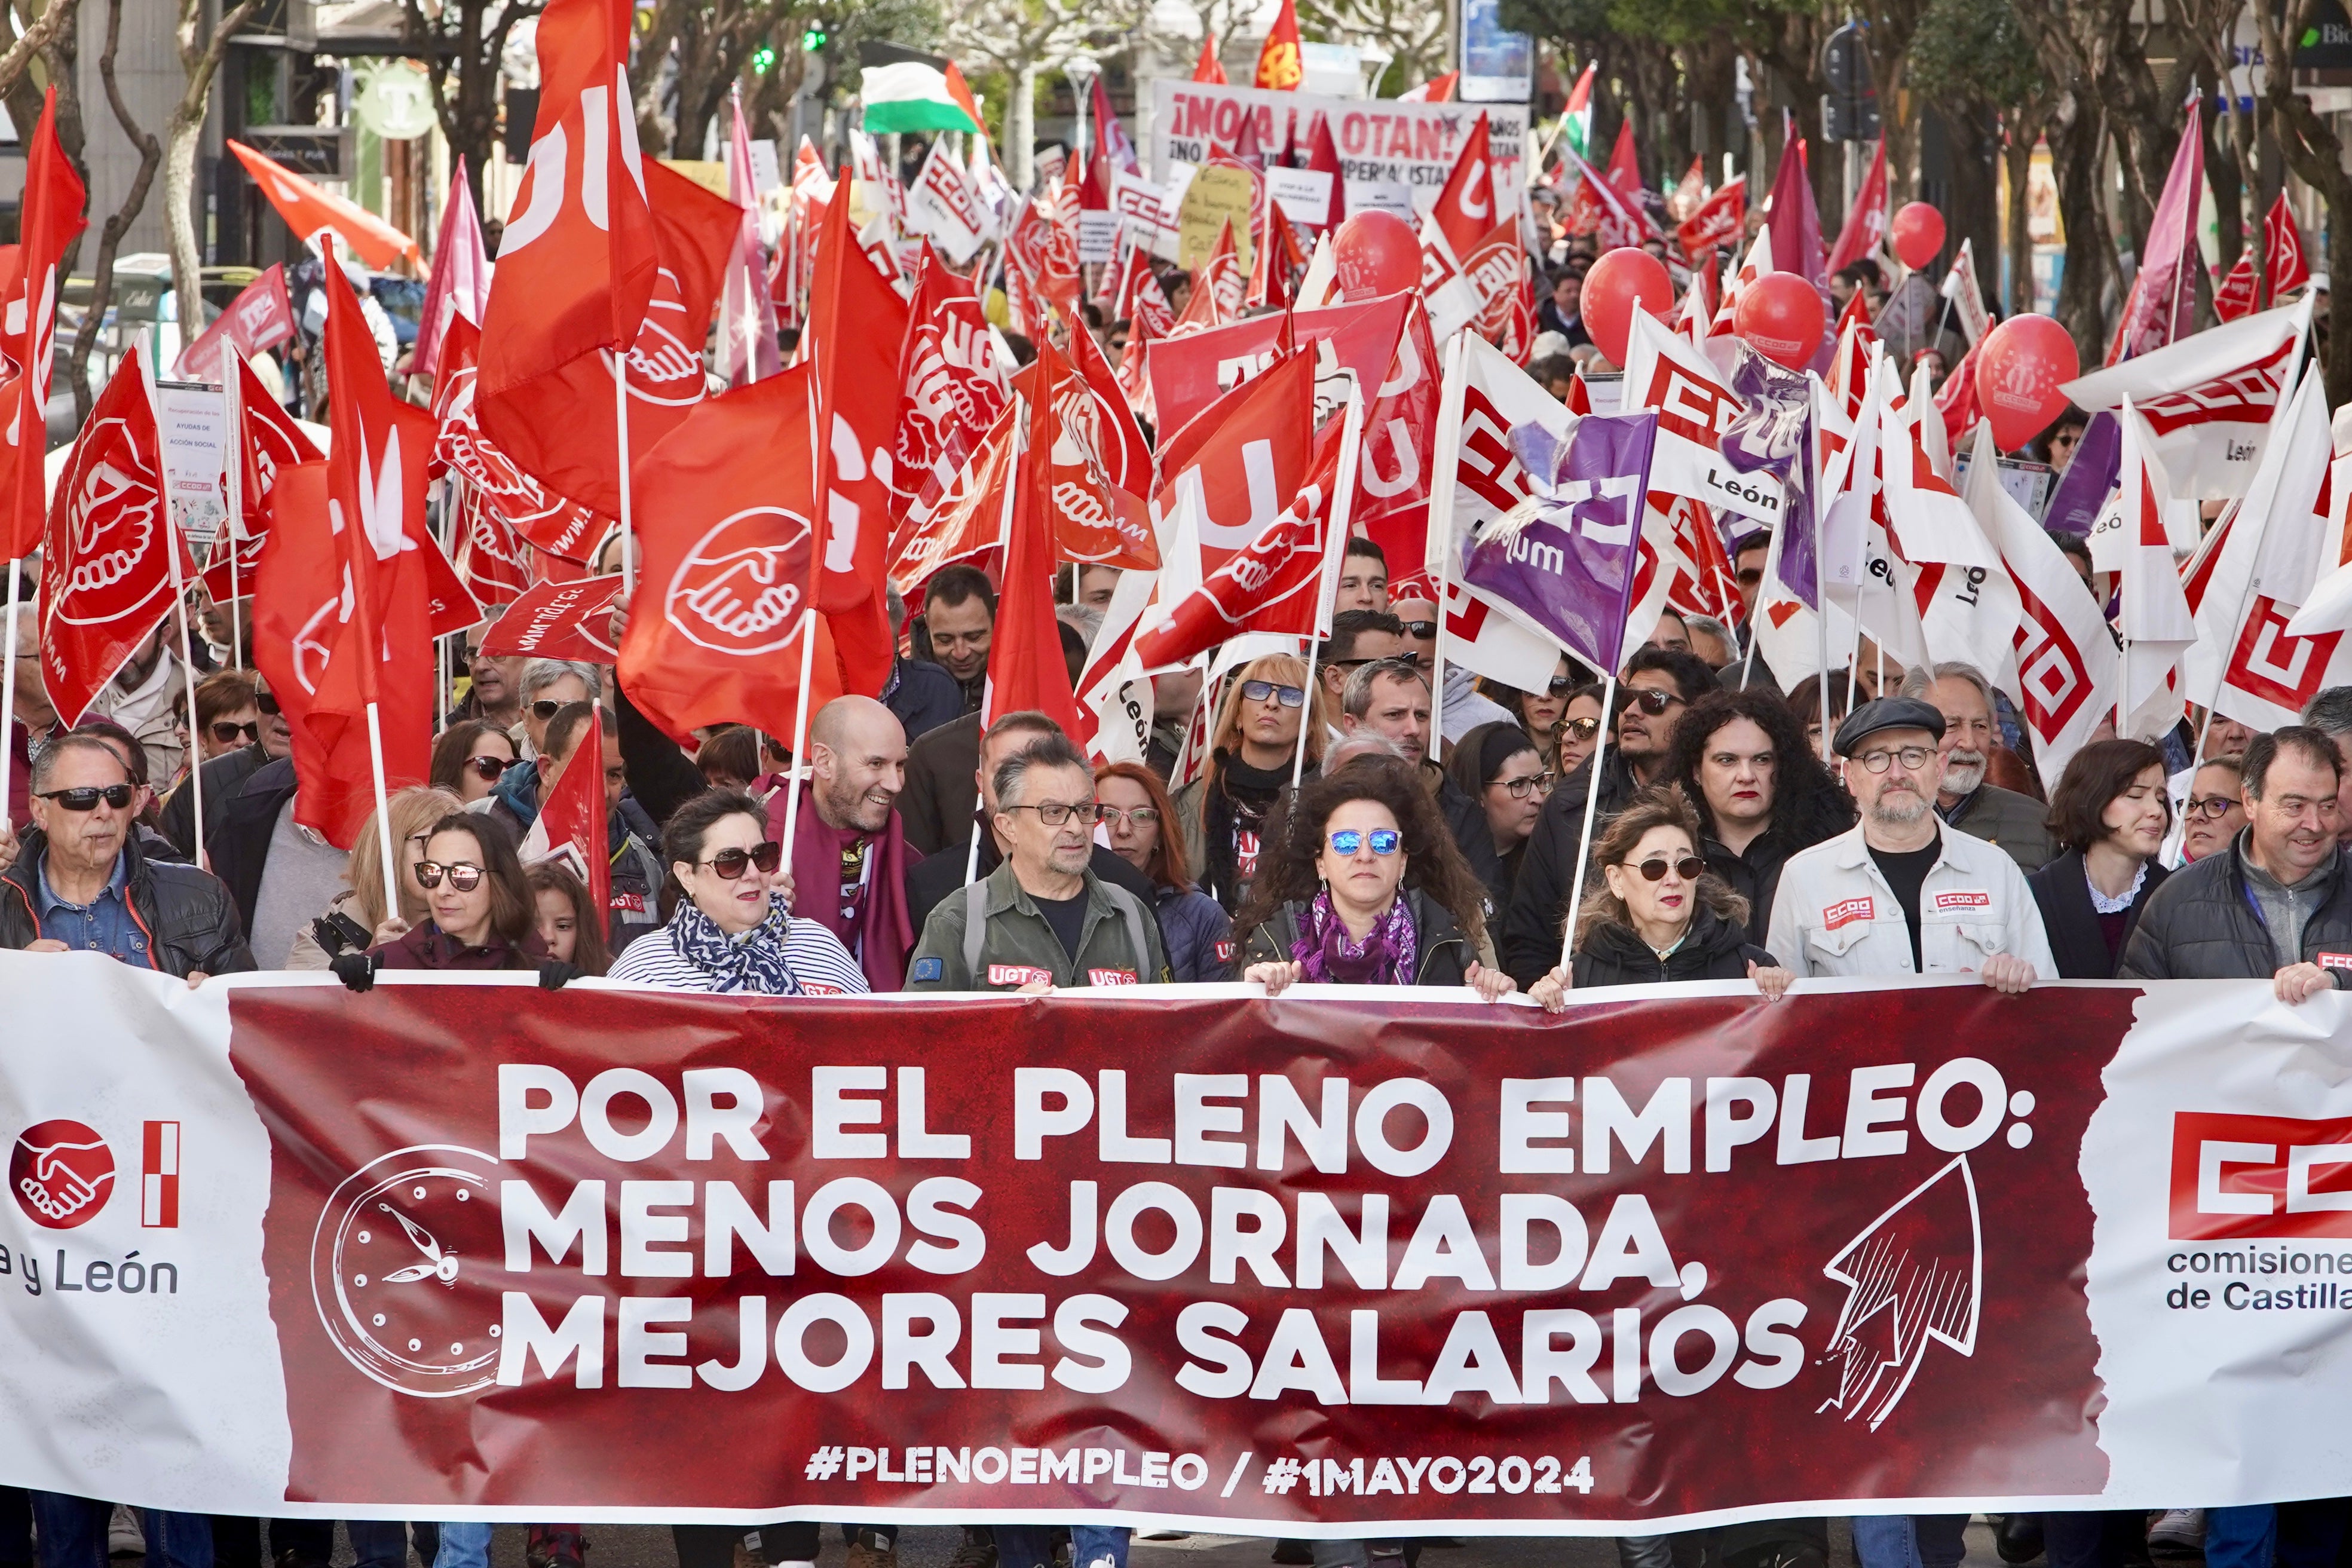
{"points": [[911, 95], [1576, 120]]}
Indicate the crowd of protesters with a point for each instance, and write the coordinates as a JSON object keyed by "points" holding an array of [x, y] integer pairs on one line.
{"points": [[929, 852]]}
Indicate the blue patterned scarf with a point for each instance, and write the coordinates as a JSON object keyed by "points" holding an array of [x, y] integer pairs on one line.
{"points": [[752, 963], [1385, 957]]}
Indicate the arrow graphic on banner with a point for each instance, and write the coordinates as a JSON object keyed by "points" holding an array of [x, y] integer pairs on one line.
{"points": [[1913, 1276]]}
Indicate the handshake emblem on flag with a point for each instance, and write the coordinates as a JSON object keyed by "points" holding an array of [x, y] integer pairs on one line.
{"points": [[739, 590]]}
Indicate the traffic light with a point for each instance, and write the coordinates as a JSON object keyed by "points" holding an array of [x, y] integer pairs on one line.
{"points": [[764, 60], [812, 40]]}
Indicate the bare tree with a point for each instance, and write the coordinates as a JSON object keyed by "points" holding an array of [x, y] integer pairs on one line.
{"points": [[694, 52], [57, 52], [1410, 32], [466, 43], [1025, 37], [201, 50], [2315, 153], [118, 223]]}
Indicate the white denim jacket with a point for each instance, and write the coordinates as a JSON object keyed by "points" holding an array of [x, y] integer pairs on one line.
{"points": [[1835, 914]]}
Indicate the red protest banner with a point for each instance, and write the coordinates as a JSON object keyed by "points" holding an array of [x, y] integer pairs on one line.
{"points": [[1320, 1267], [558, 620]]}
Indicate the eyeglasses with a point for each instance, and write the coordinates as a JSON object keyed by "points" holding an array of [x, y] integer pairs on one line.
{"points": [[86, 796], [543, 710], [490, 770], [1141, 817], [1540, 783], [1421, 628], [1687, 867], [1749, 577], [730, 863], [225, 733], [1347, 840], [2210, 808], [1054, 813], [463, 874], [1559, 684], [1651, 701], [1913, 759], [1581, 729], [1259, 690], [266, 704]]}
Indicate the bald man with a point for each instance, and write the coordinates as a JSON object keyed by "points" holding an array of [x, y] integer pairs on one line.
{"points": [[848, 853]]}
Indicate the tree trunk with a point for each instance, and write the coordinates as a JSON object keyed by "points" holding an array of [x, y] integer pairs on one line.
{"points": [[2077, 142], [1975, 202], [1021, 126], [180, 216], [2019, 155], [2221, 171], [118, 223]]}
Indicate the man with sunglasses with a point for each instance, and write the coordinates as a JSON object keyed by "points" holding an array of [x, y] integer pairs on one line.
{"points": [[227, 775], [1658, 685], [548, 684], [1042, 920], [82, 884], [1902, 892]]}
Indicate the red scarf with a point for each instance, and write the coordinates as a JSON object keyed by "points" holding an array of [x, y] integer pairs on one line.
{"points": [[884, 924]]}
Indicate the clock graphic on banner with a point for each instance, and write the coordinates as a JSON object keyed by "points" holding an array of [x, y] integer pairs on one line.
{"points": [[393, 1262]]}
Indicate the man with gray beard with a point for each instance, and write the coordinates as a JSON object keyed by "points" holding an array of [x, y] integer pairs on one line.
{"points": [[1902, 892], [2018, 823]]}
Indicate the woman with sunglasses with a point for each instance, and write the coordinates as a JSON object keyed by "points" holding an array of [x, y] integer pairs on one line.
{"points": [[1536, 712], [356, 916], [470, 758], [1578, 734], [730, 927], [1225, 813], [1660, 916], [478, 910], [1498, 767], [228, 717], [1364, 887], [1136, 815]]}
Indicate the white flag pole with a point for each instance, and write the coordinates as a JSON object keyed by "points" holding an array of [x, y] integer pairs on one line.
{"points": [[1443, 461], [8, 696], [1584, 837], [171, 547], [383, 815], [621, 454], [233, 475], [800, 734]]}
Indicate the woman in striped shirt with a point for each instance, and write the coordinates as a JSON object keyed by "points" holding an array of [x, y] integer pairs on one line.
{"points": [[730, 929]]}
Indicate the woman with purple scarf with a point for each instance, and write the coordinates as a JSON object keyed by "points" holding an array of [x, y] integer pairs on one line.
{"points": [[1362, 885]]}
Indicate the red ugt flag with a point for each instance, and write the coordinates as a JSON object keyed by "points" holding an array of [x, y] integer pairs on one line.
{"points": [[1025, 668], [572, 827], [106, 581], [715, 622], [52, 217]]}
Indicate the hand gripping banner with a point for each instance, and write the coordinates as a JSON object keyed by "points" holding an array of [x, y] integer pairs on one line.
{"points": [[1327, 1265]]}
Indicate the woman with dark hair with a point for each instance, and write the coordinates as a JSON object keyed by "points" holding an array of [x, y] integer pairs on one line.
{"points": [[728, 905], [1660, 916], [1757, 793], [1805, 702], [1539, 712], [478, 911], [1497, 765], [730, 759], [2112, 810], [1362, 886], [1225, 813], [1137, 817], [470, 757], [570, 928], [1578, 734]]}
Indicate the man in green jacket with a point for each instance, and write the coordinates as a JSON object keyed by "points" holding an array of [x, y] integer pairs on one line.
{"points": [[2017, 823], [1042, 919]]}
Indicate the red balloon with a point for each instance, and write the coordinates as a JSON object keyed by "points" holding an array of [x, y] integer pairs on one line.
{"points": [[1782, 317], [1376, 253], [2019, 368], [1918, 235], [1625, 278]]}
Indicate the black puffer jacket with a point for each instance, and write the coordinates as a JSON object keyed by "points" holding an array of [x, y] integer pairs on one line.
{"points": [[1529, 943], [190, 920], [2202, 924], [1615, 954], [1444, 955]]}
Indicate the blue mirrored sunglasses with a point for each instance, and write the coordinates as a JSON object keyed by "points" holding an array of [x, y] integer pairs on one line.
{"points": [[1347, 840]]}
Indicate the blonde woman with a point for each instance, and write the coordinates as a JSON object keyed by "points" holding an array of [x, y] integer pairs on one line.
{"points": [[1223, 814], [413, 813]]}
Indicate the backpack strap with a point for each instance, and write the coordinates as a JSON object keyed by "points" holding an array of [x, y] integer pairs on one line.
{"points": [[1131, 910], [975, 924]]}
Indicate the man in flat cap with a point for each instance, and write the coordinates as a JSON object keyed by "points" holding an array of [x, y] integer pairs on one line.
{"points": [[1902, 892]]}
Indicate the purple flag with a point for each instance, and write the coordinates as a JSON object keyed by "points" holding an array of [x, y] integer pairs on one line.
{"points": [[1564, 558], [1775, 432], [2090, 476]]}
